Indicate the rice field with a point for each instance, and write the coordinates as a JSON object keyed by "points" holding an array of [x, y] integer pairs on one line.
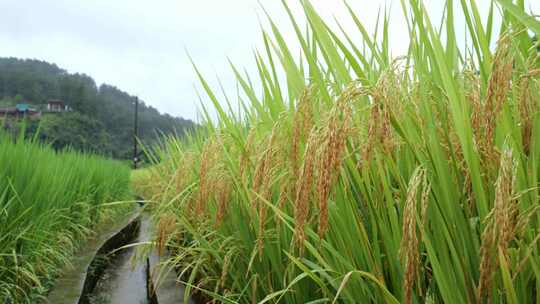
{"points": [[364, 178], [49, 203]]}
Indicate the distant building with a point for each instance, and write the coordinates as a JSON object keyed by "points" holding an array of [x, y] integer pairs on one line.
{"points": [[21, 110], [22, 107], [55, 105]]}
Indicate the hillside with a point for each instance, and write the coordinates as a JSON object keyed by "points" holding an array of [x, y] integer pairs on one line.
{"points": [[102, 116]]}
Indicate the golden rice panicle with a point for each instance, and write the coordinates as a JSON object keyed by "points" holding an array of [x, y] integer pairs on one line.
{"points": [[497, 91], [473, 95], [373, 123], [257, 180], [335, 135], [246, 152], [265, 189], [409, 248], [302, 123], [284, 196], [181, 175], [262, 167], [157, 183], [283, 193], [225, 270], [527, 107], [386, 98], [389, 92], [304, 187], [165, 227], [424, 202], [209, 155], [301, 126], [506, 205], [223, 193], [487, 255], [501, 226]]}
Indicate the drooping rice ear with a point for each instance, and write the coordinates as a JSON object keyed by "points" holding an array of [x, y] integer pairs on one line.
{"points": [[330, 153], [165, 227], [304, 188], [527, 107], [209, 156], [409, 247], [223, 190], [496, 96], [265, 191], [501, 226]]}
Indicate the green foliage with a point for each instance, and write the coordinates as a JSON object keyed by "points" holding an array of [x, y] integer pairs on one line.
{"points": [[7, 102], [366, 179], [77, 131], [49, 202], [36, 82]]}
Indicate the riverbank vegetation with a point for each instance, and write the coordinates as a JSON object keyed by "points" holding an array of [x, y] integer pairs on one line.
{"points": [[49, 203], [363, 177]]}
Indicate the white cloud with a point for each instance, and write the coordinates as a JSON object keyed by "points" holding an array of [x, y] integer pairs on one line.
{"points": [[139, 45]]}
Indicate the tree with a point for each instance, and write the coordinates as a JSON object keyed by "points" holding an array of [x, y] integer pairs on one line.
{"points": [[100, 109], [76, 131]]}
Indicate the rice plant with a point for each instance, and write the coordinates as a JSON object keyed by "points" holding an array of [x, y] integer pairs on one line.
{"points": [[364, 178], [49, 202]]}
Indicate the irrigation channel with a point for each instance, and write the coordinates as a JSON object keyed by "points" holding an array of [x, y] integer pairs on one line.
{"points": [[107, 270]]}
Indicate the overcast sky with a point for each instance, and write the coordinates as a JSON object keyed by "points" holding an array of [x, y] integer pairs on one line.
{"points": [[140, 45]]}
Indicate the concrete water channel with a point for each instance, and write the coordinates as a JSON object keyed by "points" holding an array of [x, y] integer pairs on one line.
{"points": [[124, 278], [108, 271]]}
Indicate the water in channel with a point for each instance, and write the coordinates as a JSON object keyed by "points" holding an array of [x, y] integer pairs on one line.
{"points": [[124, 280]]}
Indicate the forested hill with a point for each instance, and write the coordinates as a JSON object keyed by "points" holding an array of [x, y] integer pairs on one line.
{"points": [[102, 117]]}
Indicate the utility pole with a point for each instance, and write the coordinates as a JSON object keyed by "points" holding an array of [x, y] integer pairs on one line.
{"points": [[136, 134]]}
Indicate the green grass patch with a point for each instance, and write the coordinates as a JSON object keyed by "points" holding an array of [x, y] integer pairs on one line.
{"points": [[49, 203]]}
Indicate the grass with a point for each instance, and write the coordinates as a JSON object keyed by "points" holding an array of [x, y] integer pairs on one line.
{"points": [[365, 178], [49, 202]]}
